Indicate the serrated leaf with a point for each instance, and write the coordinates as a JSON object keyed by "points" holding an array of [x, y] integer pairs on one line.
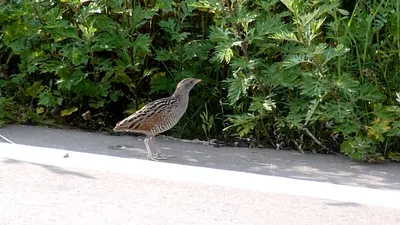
{"points": [[180, 36], [237, 88], [294, 60], [395, 156], [242, 124], [261, 105], [165, 5], [97, 103], [348, 85], [88, 32], [291, 5], [395, 129], [285, 35], [161, 83], [311, 110], [163, 55], [378, 128], [170, 26], [340, 112], [70, 32], [331, 53], [142, 44], [295, 119], [269, 105], [370, 92], [218, 34], [141, 16], [223, 52], [356, 148], [66, 82], [312, 86], [34, 90], [347, 127], [40, 110], [49, 100]]}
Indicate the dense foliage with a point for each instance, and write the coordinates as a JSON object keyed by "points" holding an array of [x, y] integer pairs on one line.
{"points": [[318, 75]]}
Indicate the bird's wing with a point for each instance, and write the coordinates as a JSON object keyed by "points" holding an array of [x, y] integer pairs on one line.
{"points": [[144, 119]]}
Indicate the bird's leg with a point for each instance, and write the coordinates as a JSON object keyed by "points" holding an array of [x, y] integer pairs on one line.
{"points": [[149, 154], [159, 155]]}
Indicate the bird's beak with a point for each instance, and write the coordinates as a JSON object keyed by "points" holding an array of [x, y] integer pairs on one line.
{"points": [[197, 81]]}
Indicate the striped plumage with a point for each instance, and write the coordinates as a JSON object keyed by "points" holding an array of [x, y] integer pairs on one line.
{"points": [[159, 116]]}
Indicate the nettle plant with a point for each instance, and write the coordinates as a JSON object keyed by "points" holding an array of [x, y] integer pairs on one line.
{"points": [[73, 54], [293, 76]]}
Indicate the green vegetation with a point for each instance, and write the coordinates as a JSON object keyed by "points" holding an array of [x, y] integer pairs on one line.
{"points": [[319, 75]]}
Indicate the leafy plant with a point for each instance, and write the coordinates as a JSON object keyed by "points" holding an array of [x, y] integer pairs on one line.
{"points": [[310, 75]]}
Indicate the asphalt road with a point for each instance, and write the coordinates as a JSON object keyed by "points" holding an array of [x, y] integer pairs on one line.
{"points": [[100, 184]]}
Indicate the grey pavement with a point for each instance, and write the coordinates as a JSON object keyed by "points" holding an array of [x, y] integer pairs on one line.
{"points": [[101, 184]]}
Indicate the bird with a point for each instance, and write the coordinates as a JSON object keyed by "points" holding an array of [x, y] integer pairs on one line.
{"points": [[159, 116]]}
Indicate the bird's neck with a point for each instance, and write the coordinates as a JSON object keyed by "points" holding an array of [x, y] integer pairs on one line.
{"points": [[179, 93], [182, 96]]}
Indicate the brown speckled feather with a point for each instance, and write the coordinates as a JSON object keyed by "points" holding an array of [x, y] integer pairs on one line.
{"points": [[144, 120]]}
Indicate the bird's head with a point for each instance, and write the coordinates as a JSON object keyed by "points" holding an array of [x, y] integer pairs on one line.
{"points": [[187, 84]]}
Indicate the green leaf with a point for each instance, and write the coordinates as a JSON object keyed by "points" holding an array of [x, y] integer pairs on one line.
{"points": [[223, 52], [70, 32], [237, 88], [340, 112], [187, 8], [49, 100], [97, 103], [170, 26], [267, 6], [394, 156], [314, 87], [370, 92], [218, 34], [348, 85], [165, 5], [261, 105], [331, 53], [88, 32], [67, 112], [163, 55], [378, 129], [142, 16], [242, 124], [142, 44], [76, 52], [395, 129], [180, 36], [161, 83], [294, 60], [114, 95], [292, 5], [34, 90], [358, 148], [285, 35], [66, 81], [348, 127], [311, 110]]}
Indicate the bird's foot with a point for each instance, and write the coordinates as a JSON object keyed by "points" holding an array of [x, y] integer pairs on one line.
{"points": [[159, 155], [156, 158]]}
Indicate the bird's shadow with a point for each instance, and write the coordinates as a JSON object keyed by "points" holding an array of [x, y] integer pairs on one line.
{"points": [[53, 169]]}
